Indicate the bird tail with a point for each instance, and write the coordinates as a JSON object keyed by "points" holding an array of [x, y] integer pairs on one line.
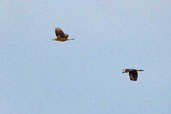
{"points": [[70, 39]]}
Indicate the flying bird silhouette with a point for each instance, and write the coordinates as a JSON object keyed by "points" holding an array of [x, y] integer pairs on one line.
{"points": [[61, 36], [133, 74]]}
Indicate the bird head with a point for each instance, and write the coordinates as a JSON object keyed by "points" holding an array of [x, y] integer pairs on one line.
{"points": [[124, 71]]}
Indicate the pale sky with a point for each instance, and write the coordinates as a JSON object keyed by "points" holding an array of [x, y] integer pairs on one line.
{"points": [[84, 76]]}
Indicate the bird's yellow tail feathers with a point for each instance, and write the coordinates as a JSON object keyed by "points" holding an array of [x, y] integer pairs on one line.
{"points": [[70, 39]]}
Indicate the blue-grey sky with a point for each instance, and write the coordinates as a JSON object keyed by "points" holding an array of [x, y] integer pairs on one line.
{"points": [[84, 76]]}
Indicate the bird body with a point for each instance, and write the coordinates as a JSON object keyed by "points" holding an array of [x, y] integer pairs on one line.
{"points": [[61, 36], [133, 74]]}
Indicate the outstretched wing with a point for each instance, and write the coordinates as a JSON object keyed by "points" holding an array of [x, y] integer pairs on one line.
{"points": [[59, 33], [133, 75]]}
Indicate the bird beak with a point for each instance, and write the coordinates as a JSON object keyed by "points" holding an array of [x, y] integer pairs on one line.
{"points": [[123, 71]]}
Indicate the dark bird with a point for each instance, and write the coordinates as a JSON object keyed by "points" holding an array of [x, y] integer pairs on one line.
{"points": [[61, 36], [133, 74]]}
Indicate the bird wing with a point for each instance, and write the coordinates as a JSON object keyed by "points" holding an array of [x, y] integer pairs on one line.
{"points": [[133, 75], [131, 69], [59, 33]]}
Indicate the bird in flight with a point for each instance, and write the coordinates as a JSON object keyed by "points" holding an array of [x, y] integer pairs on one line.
{"points": [[61, 36], [133, 74]]}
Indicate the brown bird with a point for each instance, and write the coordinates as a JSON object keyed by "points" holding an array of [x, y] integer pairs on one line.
{"points": [[61, 36], [133, 74]]}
